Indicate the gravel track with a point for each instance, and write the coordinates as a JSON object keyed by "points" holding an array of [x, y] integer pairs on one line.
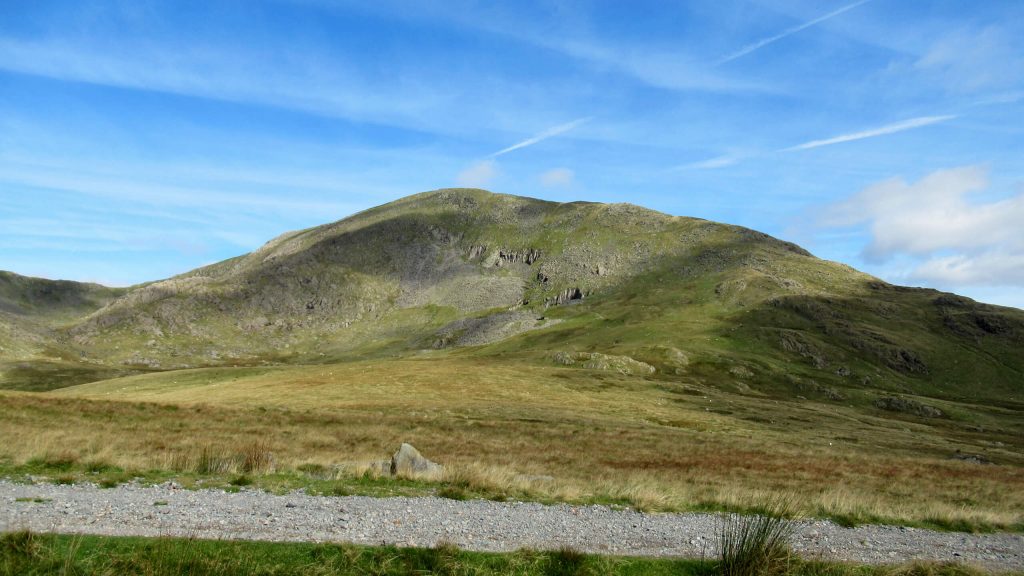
{"points": [[167, 510]]}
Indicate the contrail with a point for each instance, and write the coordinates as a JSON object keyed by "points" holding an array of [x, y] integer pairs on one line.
{"points": [[888, 129], [764, 42], [550, 132]]}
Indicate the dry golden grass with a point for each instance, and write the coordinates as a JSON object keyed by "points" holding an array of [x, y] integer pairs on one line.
{"points": [[506, 429]]}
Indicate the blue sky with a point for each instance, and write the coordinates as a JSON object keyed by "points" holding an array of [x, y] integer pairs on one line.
{"points": [[142, 139]]}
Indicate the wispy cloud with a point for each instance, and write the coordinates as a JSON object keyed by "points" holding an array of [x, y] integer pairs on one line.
{"points": [[653, 64], [289, 80], [710, 163], [788, 32], [549, 133], [558, 178], [880, 131], [137, 190], [478, 175], [975, 60]]}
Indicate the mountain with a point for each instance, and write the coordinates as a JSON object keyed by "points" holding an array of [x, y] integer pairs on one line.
{"points": [[35, 314], [596, 286]]}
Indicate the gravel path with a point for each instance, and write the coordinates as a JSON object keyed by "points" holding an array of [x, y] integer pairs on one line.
{"points": [[167, 510]]}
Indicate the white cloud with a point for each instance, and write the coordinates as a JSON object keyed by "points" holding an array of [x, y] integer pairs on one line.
{"points": [[962, 242], [549, 133], [558, 178], [788, 32], [994, 268], [880, 131], [478, 175]]}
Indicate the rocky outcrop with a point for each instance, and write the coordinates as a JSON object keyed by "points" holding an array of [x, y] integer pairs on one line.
{"points": [[528, 256], [813, 387], [908, 406], [793, 341], [971, 458], [565, 296], [597, 361]]}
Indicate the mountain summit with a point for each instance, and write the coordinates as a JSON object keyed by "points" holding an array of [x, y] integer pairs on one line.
{"points": [[469, 272]]}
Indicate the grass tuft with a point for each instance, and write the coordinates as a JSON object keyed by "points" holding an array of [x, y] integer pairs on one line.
{"points": [[34, 500], [61, 462], [756, 545], [24, 544], [257, 457], [565, 561], [213, 461]]}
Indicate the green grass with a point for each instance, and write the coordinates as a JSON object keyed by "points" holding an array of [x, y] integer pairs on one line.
{"points": [[31, 554]]}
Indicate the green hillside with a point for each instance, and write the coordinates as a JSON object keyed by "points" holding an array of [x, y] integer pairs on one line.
{"points": [[546, 282]]}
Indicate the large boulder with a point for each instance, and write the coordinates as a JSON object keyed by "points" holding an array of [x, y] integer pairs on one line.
{"points": [[408, 461]]}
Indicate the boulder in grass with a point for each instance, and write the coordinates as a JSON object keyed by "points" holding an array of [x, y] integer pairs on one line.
{"points": [[409, 462]]}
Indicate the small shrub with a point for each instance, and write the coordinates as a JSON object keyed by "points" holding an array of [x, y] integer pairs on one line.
{"points": [[756, 545], [242, 480]]}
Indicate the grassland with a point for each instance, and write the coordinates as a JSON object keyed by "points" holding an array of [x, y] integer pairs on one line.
{"points": [[28, 554], [708, 366], [507, 430]]}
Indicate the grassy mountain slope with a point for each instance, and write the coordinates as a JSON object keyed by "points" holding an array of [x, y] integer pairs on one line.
{"points": [[626, 353], [52, 301], [35, 353]]}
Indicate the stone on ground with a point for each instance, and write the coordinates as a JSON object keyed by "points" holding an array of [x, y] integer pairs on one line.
{"points": [[408, 461]]}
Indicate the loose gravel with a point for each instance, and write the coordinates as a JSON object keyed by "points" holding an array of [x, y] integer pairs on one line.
{"points": [[168, 510]]}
